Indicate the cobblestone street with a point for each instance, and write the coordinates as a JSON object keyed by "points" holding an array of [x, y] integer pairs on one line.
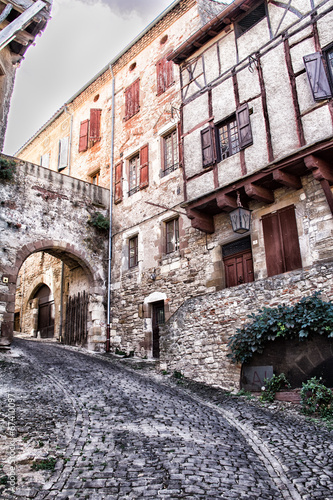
{"points": [[109, 431]]}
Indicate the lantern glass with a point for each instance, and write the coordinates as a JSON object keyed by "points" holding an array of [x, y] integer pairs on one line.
{"points": [[240, 220]]}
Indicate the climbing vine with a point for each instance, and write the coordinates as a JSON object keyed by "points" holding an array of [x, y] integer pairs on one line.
{"points": [[7, 169], [311, 315], [99, 222]]}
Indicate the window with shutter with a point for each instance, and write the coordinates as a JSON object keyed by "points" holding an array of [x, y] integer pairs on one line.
{"points": [[207, 144], [281, 241], [118, 184], [144, 167], [83, 141], [244, 126], [132, 99], [170, 153], [133, 174], [164, 74], [63, 153], [317, 76], [95, 125], [45, 160]]}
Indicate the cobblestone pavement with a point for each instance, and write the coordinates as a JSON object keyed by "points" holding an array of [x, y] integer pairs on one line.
{"points": [[113, 432]]}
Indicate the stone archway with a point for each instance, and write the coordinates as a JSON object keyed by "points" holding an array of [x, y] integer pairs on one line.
{"points": [[89, 278]]}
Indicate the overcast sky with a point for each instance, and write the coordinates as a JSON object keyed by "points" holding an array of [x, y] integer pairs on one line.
{"points": [[79, 40]]}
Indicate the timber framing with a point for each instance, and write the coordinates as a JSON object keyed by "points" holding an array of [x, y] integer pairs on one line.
{"points": [[315, 159]]}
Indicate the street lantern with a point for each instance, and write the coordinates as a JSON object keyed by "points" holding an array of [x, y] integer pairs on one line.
{"points": [[240, 218]]}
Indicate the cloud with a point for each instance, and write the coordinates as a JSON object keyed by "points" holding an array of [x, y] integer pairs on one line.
{"points": [[126, 7]]}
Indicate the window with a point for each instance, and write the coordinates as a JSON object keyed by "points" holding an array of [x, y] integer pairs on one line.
{"points": [[281, 241], [132, 99], [170, 153], [164, 74], [329, 59], [238, 264], [227, 138], [133, 252], [95, 178], [250, 20], [63, 153], [317, 77], [172, 235], [138, 171], [90, 130]]}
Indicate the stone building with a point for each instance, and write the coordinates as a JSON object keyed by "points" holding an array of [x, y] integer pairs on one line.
{"points": [[246, 124], [20, 22]]}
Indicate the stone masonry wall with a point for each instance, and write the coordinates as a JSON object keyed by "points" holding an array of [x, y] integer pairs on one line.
{"points": [[194, 340]]}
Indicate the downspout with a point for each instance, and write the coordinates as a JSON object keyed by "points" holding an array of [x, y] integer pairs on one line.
{"points": [[108, 327], [70, 140], [61, 302]]}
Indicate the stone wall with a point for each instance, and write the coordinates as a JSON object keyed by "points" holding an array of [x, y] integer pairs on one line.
{"points": [[45, 211], [194, 340]]}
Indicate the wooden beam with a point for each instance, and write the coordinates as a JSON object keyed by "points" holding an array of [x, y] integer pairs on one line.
{"points": [[288, 180], [259, 193], [321, 169], [225, 201], [9, 32], [201, 221]]}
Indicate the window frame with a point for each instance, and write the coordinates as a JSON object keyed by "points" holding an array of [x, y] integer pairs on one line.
{"points": [[133, 260], [227, 123], [172, 244], [132, 99], [166, 170], [135, 188]]}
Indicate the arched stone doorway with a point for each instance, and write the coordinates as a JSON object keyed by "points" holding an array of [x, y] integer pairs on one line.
{"points": [[78, 281]]}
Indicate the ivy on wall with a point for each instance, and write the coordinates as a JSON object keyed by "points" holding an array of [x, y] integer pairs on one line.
{"points": [[7, 169], [311, 315]]}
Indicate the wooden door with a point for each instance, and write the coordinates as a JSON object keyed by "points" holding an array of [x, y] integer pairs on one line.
{"points": [[157, 320], [238, 269]]}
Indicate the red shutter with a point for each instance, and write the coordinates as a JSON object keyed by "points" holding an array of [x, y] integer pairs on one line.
{"points": [[273, 244], [160, 79], [180, 144], [132, 99], [118, 184], [244, 126], [317, 77], [281, 241], [207, 144], [83, 142], [290, 240], [95, 124], [144, 167], [164, 72]]}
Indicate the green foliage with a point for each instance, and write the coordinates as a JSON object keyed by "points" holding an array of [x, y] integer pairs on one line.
{"points": [[309, 316], [48, 464], [316, 398], [7, 169], [274, 385], [178, 375], [100, 222], [245, 393], [4, 480]]}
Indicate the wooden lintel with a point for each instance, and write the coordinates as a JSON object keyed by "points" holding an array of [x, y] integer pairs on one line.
{"points": [[321, 169], [286, 179], [225, 201], [259, 193], [201, 221]]}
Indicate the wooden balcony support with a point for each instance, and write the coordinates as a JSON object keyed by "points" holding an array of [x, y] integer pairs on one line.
{"points": [[201, 221], [226, 202], [287, 180], [259, 193]]}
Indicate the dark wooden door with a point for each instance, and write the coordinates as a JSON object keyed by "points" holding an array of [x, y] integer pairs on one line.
{"points": [[157, 320], [45, 312], [238, 269]]}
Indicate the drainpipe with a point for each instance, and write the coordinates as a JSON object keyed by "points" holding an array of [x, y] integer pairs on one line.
{"points": [[70, 140], [107, 347], [61, 302]]}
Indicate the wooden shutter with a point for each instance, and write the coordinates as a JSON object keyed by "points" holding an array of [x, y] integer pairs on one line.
{"points": [[281, 241], [244, 126], [317, 77], [144, 167], [132, 99], [63, 153], [95, 124], [83, 142], [118, 184], [164, 72], [45, 160], [207, 144]]}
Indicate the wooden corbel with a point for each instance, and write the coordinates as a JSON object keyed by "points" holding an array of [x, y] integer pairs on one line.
{"points": [[259, 193], [226, 202], [201, 221], [287, 180], [323, 172]]}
